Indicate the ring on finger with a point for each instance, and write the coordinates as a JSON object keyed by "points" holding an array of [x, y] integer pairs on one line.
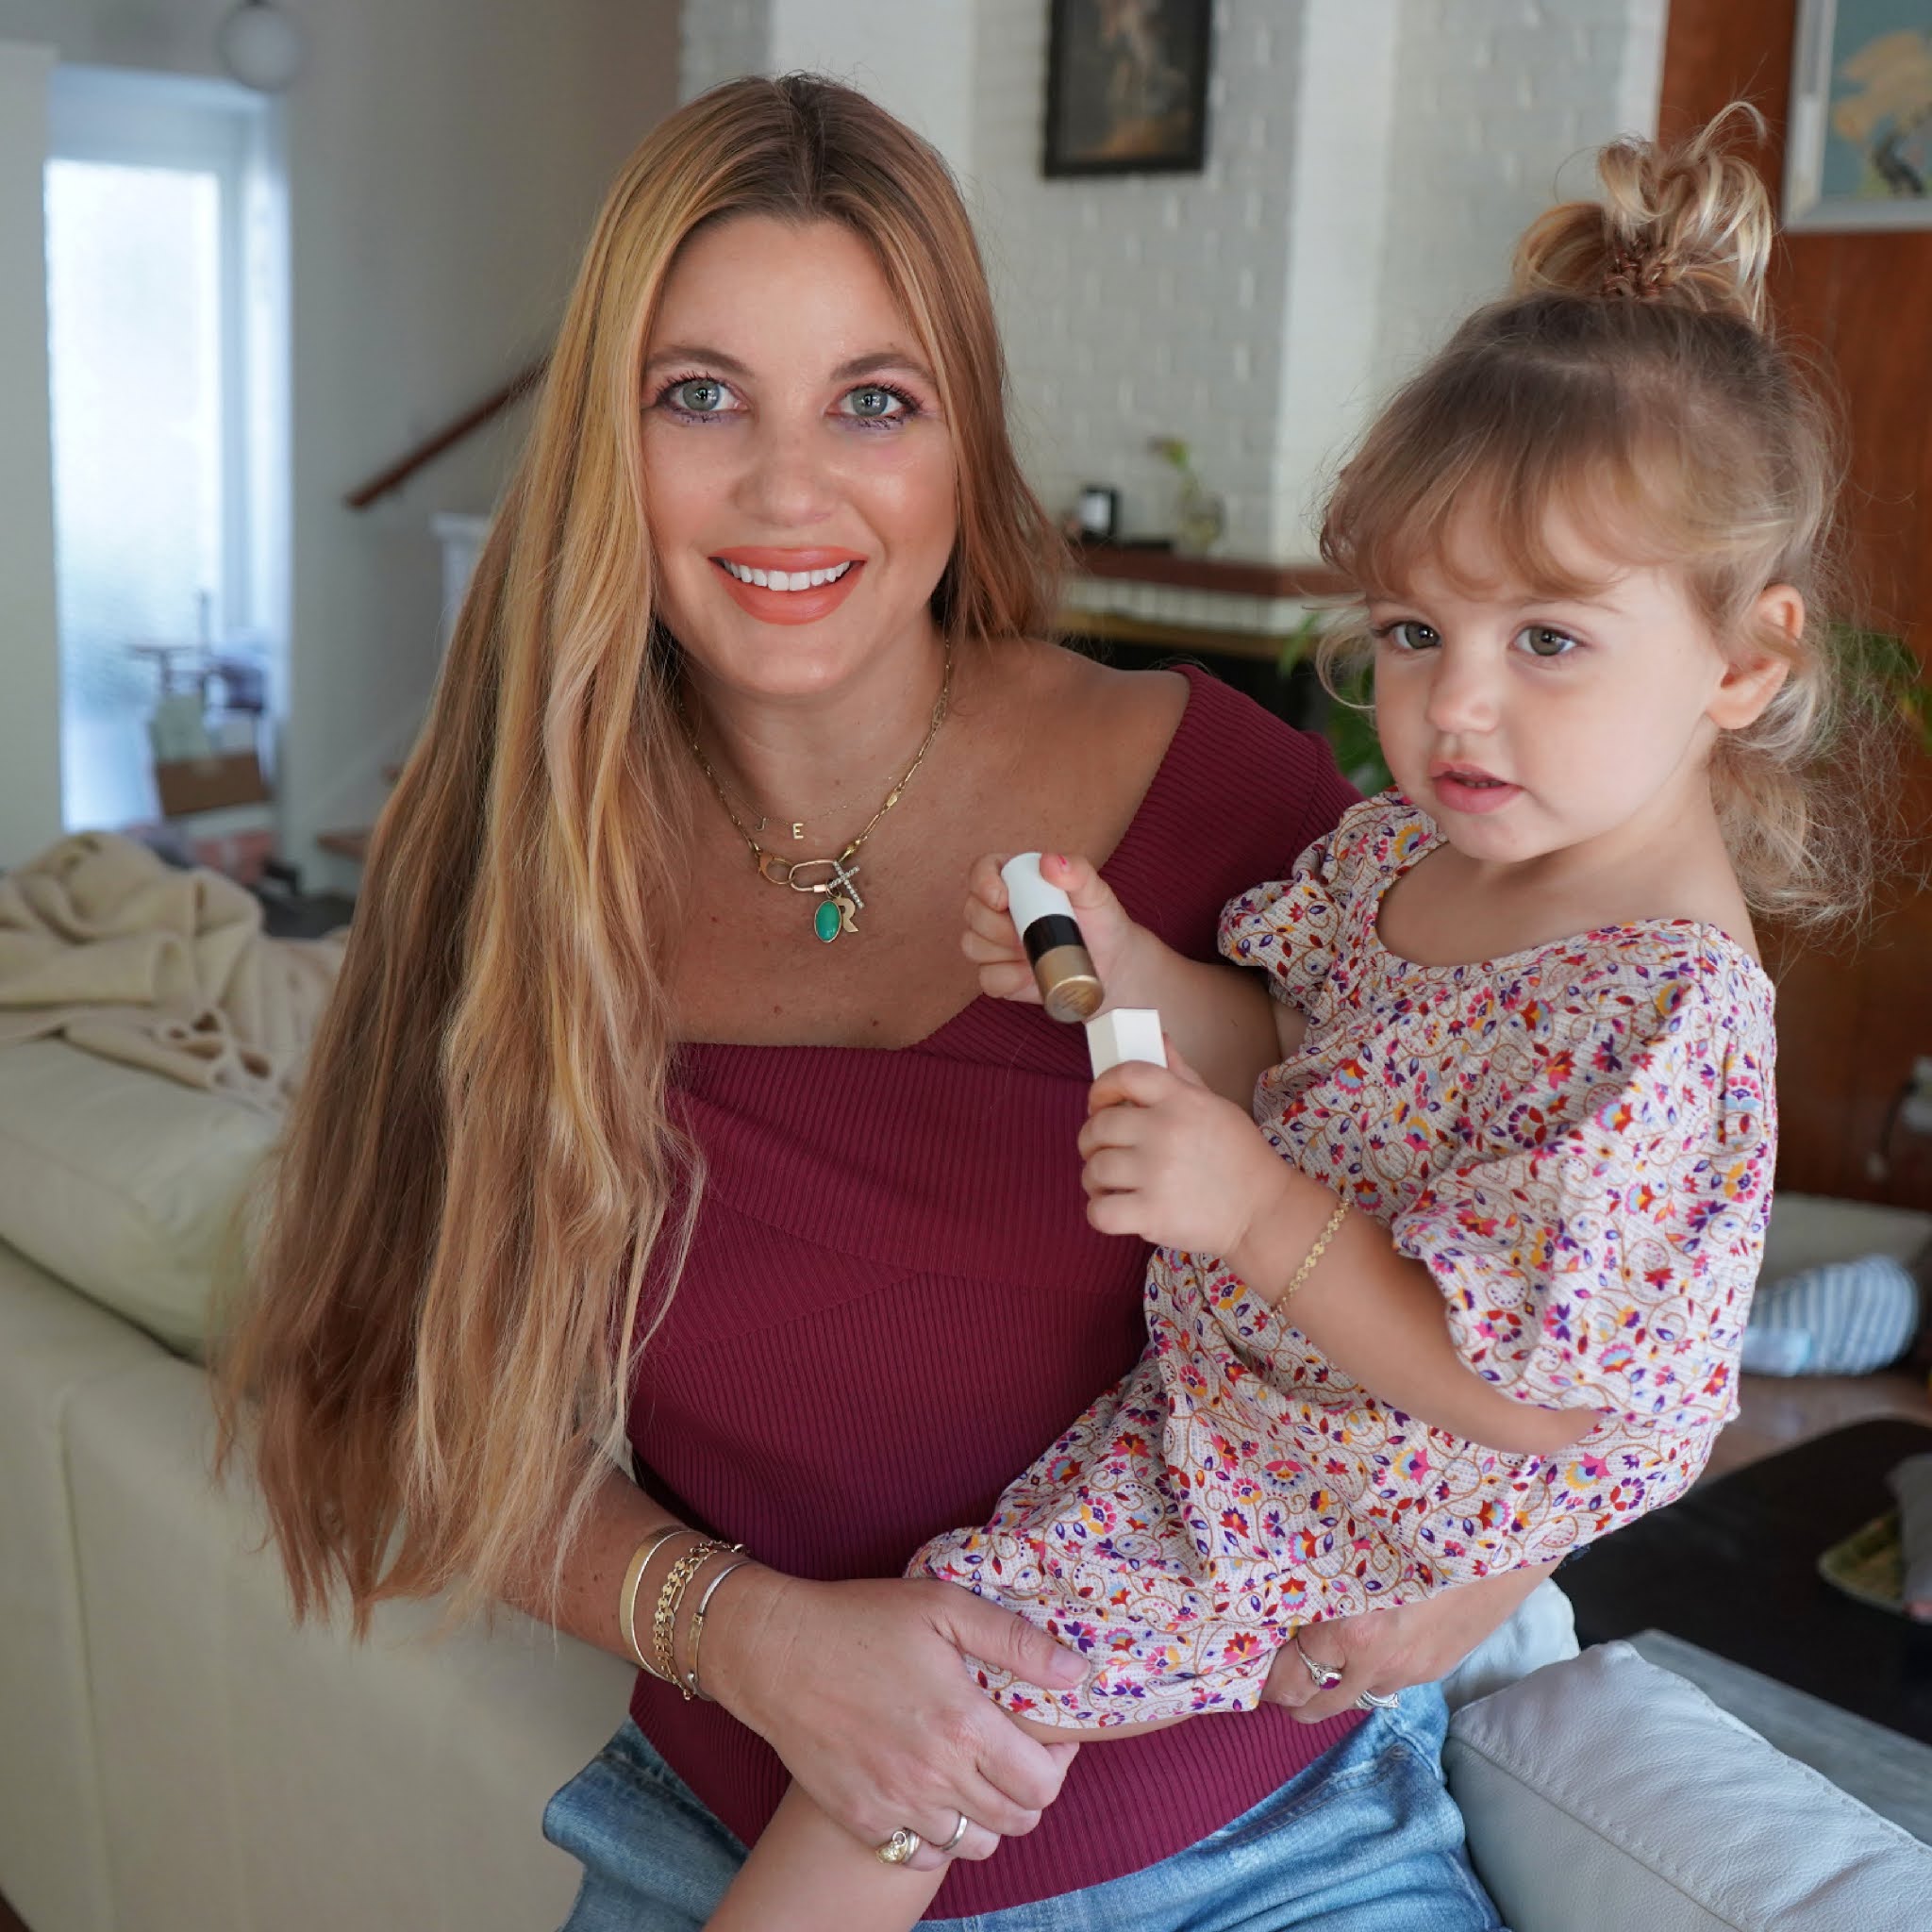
{"points": [[952, 1845], [1325, 1675], [1368, 1701], [901, 1848]]}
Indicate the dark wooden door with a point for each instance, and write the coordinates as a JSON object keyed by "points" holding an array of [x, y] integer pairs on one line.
{"points": [[1852, 1019]]}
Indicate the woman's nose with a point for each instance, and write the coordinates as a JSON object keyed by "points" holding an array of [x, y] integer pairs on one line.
{"points": [[789, 479]]}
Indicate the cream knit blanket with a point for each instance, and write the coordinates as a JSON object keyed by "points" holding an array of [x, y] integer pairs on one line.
{"points": [[128, 958]]}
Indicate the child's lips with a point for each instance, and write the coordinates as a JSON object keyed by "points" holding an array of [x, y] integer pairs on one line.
{"points": [[1469, 789]]}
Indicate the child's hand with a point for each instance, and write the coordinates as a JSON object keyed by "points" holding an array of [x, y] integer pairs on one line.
{"points": [[992, 944], [1172, 1162]]}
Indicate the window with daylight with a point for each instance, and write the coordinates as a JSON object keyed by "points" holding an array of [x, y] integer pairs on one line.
{"points": [[167, 349]]}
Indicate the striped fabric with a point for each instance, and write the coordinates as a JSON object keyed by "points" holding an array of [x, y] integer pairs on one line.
{"points": [[1845, 1318]]}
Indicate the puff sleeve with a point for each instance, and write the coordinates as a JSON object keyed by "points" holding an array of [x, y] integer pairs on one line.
{"points": [[1293, 929], [1599, 1247]]}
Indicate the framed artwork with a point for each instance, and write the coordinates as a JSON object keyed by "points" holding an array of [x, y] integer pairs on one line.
{"points": [[1127, 87], [1859, 142]]}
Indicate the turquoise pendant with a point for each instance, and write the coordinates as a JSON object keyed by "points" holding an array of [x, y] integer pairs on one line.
{"points": [[827, 920]]}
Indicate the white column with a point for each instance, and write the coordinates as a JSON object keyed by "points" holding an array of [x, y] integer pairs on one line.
{"points": [[29, 633], [1345, 105]]}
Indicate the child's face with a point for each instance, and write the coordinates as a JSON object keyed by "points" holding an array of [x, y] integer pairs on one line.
{"points": [[1526, 726]]}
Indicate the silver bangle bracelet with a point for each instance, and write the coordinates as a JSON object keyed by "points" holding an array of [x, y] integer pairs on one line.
{"points": [[695, 1634]]}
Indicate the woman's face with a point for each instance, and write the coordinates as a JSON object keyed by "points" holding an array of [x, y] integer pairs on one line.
{"points": [[799, 479]]}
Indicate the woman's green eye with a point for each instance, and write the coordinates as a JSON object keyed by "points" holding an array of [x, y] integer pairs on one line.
{"points": [[1545, 642], [699, 396], [876, 403]]}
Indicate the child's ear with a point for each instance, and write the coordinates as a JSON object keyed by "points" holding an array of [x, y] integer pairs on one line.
{"points": [[1753, 679]]}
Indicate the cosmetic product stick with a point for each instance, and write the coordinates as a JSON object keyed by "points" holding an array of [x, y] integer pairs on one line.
{"points": [[1069, 987], [1128, 1033]]}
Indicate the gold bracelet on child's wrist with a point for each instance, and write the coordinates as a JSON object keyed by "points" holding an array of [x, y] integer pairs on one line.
{"points": [[1315, 1254]]}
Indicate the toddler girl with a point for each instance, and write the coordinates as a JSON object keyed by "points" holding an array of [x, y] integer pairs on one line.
{"points": [[1471, 1295]]}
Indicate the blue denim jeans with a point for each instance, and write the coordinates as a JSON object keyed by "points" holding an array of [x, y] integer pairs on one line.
{"points": [[1365, 1839]]}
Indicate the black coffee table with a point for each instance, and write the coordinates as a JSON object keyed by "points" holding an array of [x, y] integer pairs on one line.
{"points": [[1732, 1567]]}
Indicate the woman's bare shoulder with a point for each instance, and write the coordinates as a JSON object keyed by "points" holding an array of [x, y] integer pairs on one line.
{"points": [[1090, 700]]}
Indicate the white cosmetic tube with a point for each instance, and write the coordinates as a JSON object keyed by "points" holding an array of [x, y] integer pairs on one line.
{"points": [[1043, 915]]}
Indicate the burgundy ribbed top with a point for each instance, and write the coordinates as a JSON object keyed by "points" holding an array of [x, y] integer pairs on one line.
{"points": [[894, 1303]]}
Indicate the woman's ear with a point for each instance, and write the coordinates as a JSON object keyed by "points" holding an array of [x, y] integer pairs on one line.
{"points": [[1752, 679]]}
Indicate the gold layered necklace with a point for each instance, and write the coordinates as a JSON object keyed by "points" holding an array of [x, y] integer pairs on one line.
{"points": [[834, 882]]}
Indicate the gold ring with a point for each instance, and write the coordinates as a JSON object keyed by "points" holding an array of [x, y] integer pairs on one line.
{"points": [[952, 1845], [899, 1848]]}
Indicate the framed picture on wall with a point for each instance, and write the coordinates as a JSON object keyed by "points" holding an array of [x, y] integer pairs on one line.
{"points": [[1859, 141], [1127, 87]]}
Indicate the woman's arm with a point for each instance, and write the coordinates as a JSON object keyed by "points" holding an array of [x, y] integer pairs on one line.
{"points": [[1386, 1651], [861, 1688]]}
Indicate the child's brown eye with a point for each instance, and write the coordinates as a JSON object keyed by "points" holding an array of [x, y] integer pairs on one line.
{"points": [[1405, 634], [1545, 642]]}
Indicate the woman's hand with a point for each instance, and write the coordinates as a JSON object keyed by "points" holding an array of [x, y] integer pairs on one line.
{"points": [[994, 945], [860, 1689], [1172, 1162], [1386, 1651]]}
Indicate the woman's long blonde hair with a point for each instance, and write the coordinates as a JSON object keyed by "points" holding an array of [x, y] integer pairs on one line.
{"points": [[1631, 380], [483, 1170]]}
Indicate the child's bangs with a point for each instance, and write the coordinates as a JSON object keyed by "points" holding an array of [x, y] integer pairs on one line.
{"points": [[1523, 494]]}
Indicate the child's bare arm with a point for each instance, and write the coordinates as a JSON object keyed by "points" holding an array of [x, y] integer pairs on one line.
{"points": [[1220, 1016], [1177, 1164], [808, 1874], [1378, 1316]]}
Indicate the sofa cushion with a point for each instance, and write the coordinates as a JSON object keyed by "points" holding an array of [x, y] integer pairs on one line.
{"points": [[54, 1343], [121, 1182], [1607, 1793]]}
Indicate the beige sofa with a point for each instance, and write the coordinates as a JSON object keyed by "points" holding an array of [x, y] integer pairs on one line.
{"points": [[176, 1757]]}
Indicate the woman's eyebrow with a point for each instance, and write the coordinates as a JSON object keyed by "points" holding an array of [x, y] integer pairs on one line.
{"points": [[846, 371], [882, 358], [697, 351]]}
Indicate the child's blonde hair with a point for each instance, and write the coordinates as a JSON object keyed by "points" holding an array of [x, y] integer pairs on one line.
{"points": [[1630, 383]]}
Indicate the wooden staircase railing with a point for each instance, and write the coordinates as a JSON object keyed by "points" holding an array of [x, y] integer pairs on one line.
{"points": [[450, 434]]}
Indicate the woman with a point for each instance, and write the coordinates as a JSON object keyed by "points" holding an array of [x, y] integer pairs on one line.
{"points": [[655, 1111]]}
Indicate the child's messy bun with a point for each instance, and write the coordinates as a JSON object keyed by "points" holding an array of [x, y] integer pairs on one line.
{"points": [[1630, 389], [1691, 225]]}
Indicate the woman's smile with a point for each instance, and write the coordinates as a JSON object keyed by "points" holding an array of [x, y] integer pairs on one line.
{"points": [[781, 585]]}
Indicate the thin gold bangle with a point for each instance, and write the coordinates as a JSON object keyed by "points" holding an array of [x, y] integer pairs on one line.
{"points": [[694, 1636], [1314, 1254], [627, 1593]]}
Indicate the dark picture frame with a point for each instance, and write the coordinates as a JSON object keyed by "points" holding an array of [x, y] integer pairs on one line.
{"points": [[1127, 87]]}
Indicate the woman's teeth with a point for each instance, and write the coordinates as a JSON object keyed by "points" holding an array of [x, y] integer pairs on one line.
{"points": [[785, 579]]}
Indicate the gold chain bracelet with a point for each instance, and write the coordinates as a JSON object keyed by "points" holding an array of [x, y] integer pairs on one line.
{"points": [[1314, 1254], [670, 1594]]}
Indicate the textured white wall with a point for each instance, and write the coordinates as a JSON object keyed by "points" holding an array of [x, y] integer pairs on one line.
{"points": [[1151, 304], [1496, 97], [915, 57]]}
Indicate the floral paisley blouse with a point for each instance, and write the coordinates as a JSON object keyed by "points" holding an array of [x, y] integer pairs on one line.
{"points": [[1577, 1140]]}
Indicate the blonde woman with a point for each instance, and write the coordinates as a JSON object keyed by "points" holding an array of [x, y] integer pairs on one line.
{"points": [[657, 1122]]}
